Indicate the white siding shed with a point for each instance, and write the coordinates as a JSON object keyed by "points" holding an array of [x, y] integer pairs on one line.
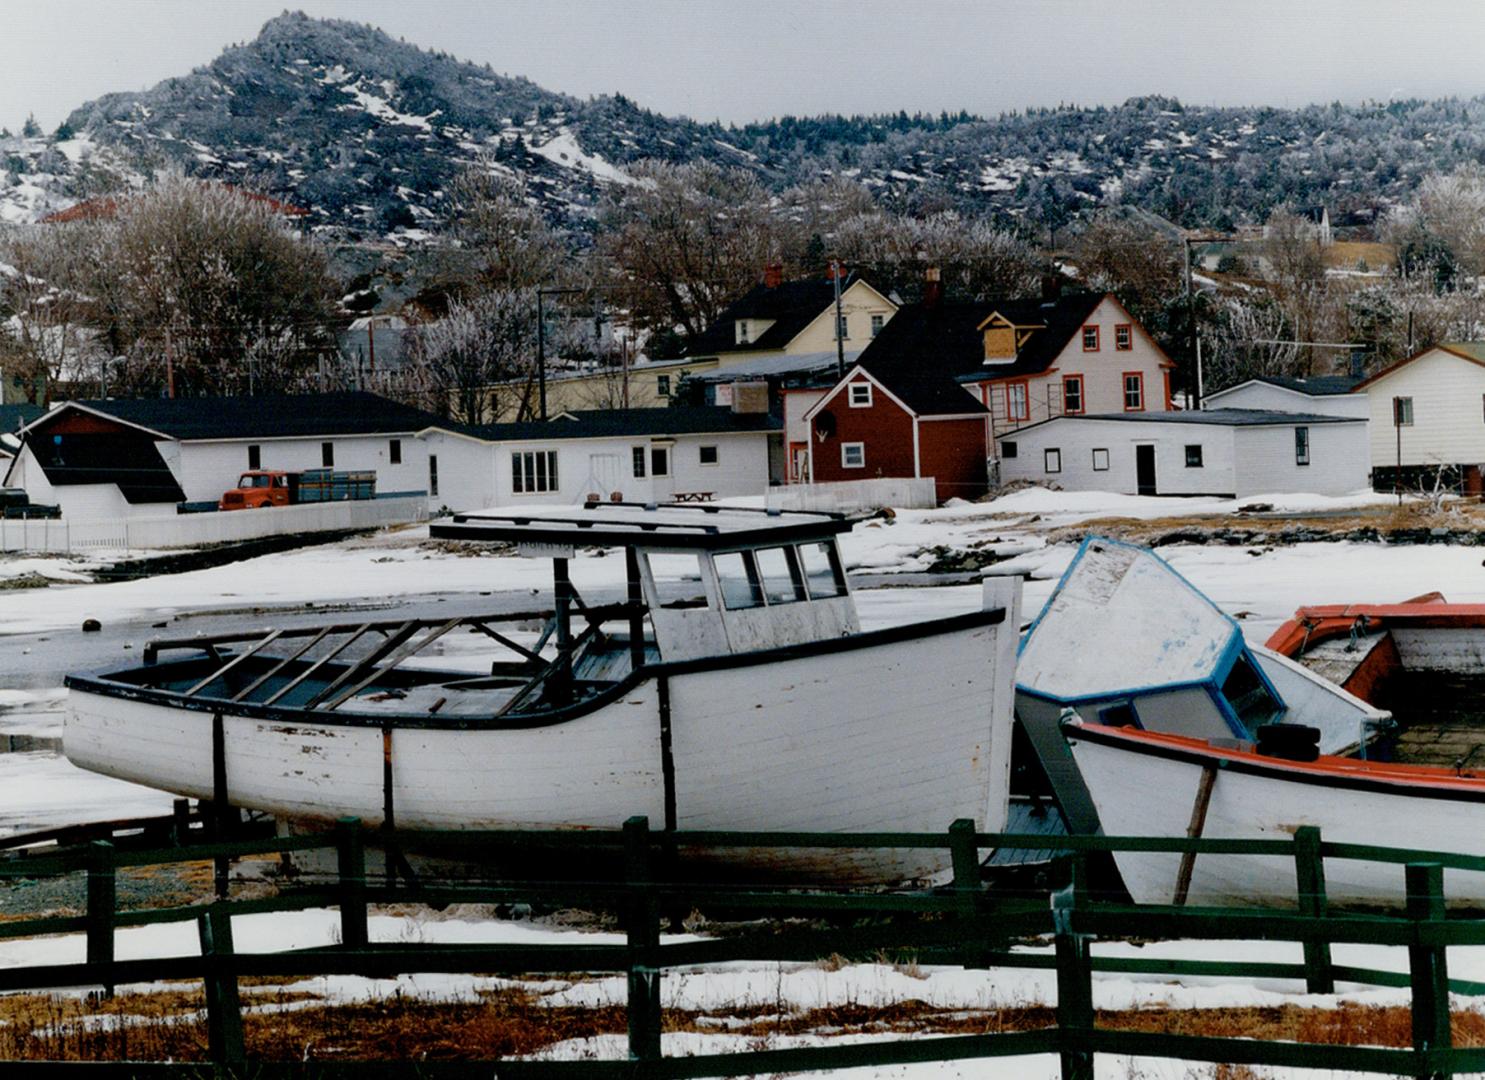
{"points": [[1230, 452]]}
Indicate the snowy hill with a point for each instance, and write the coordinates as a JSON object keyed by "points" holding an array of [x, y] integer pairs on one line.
{"points": [[366, 132]]}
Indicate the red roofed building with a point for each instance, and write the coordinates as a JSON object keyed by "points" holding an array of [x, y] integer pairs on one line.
{"points": [[106, 207]]}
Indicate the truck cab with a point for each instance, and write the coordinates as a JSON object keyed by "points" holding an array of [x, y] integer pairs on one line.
{"points": [[256, 489]]}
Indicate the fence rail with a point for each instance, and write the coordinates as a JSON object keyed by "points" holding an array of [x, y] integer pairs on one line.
{"points": [[963, 924], [60, 536]]}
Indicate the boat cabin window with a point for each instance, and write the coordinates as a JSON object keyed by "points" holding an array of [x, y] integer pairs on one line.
{"points": [[738, 576], [677, 577], [1249, 696], [822, 571], [780, 574]]}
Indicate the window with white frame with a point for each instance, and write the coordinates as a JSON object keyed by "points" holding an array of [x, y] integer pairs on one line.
{"points": [[1134, 392], [842, 329], [1072, 394], [1090, 339], [859, 395], [742, 331], [707, 455], [1052, 460], [853, 455], [1100, 459], [659, 461], [1301, 446], [533, 472], [1017, 405], [1402, 412], [639, 462], [1193, 456], [662, 385], [877, 322]]}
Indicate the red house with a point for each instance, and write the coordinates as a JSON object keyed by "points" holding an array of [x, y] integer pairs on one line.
{"points": [[877, 424]]}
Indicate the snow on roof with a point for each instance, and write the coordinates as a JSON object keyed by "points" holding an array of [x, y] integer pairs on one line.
{"points": [[634, 524]]}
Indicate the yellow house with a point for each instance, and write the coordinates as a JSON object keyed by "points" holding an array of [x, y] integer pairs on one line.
{"points": [[793, 318], [646, 385]]}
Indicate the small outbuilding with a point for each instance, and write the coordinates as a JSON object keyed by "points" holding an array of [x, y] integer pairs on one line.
{"points": [[1229, 452], [1328, 395]]}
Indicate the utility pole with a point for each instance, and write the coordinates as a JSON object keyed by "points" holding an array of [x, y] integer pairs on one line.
{"points": [[169, 365], [840, 341], [1195, 348], [541, 343]]}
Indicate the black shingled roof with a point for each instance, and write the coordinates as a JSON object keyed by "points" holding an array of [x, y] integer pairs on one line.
{"points": [[1315, 385], [1203, 417], [925, 353], [598, 423], [792, 305], [268, 416]]}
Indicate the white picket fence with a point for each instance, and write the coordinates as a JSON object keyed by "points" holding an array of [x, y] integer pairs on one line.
{"points": [[194, 530], [853, 496]]}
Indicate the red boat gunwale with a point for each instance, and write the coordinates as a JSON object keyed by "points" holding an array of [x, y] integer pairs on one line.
{"points": [[1324, 622], [1385, 776]]}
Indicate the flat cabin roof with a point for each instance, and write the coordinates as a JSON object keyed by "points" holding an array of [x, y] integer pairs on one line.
{"points": [[640, 525]]}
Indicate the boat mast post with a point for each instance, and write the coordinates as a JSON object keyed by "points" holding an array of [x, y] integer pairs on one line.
{"points": [[561, 683], [636, 616]]}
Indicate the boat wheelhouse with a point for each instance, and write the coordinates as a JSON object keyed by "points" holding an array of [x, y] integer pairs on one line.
{"points": [[730, 688]]}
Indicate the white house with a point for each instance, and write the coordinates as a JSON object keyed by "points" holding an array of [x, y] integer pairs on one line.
{"points": [[1326, 395], [637, 455], [1428, 411], [1229, 452], [102, 460]]}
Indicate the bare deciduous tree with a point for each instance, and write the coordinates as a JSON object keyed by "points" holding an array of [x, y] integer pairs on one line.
{"points": [[46, 337], [469, 361]]}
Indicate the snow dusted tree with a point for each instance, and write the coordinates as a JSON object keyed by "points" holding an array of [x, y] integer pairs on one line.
{"points": [[686, 240], [1441, 230], [1243, 342], [205, 288], [975, 259], [46, 335], [503, 241], [476, 359]]}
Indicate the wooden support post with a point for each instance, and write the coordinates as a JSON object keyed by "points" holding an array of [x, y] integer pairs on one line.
{"points": [[1074, 988], [1309, 876], [636, 612], [350, 849], [180, 822], [964, 856], [389, 806], [223, 1007], [1194, 830], [102, 904], [560, 689], [643, 918], [1428, 968], [220, 802]]}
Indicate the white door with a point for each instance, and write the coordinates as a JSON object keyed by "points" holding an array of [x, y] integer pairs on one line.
{"points": [[604, 477]]}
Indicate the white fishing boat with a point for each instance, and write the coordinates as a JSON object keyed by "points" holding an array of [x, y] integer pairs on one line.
{"points": [[757, 703], [1145, 783], [1125, 640]]}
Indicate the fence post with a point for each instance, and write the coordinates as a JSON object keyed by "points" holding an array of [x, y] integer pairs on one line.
{"points": [[964, 854], [1428, 968], [223, 1007], [643, 919], [1074, 988], [350, 851], [102, 903], [1309, 876]]}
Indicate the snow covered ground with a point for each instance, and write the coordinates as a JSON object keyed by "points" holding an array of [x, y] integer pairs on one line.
{"points": [[1260, 586]]}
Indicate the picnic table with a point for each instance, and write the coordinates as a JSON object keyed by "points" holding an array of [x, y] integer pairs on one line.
{"points": [[694, 496]]}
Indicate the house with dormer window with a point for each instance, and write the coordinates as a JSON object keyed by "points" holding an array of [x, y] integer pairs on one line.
{"points": [[779, 318], [1020, 361]]}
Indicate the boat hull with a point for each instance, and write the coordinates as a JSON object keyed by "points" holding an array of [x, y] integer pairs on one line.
{"points": [[878, 732], [1144, 785]]}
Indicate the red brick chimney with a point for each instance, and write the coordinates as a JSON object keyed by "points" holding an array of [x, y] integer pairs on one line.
{"points": [[773, 275], [933, 287]]}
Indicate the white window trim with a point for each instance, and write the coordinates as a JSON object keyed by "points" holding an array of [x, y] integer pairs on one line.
{"points": [[866, 403], [1047, 456], [1096, 466], [845, 447], [716, 453]]}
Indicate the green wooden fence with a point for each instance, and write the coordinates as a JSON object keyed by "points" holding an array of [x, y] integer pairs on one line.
{"points": [[962, 924]]}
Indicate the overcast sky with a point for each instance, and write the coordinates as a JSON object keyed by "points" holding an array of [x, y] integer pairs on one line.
{"points": [[739, 60]]}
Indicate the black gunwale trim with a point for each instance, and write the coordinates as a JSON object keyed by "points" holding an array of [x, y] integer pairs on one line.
{"points": [[690, 534], [105, 686], [1277, 770]]}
